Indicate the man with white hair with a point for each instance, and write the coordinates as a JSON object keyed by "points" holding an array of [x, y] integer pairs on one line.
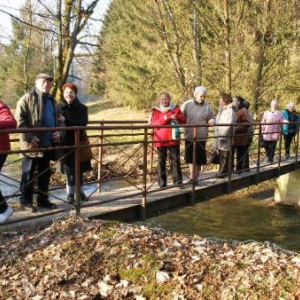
{"points": [[200, 114], [290, 127], [37, 108]]}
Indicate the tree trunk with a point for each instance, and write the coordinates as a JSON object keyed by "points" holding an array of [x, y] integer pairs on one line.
{"points": [[228, 72], [197, 51]]}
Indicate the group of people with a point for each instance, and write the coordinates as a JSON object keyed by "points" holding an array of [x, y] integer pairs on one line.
{"points": [[233, 136], [234, 129], [38, 108]]}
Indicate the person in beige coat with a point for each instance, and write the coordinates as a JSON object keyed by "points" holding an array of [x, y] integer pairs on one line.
{"points": [[225, 120]]}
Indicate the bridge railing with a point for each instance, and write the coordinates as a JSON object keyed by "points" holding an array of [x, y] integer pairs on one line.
{"points": [[125, 160]]}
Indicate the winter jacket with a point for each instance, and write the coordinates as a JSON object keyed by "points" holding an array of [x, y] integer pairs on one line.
{"points": [[271, 132], [243, 121], [76, 114], [29, 114], [224, 133], [291, 117], [7, 121], [198, 114], [163, 136]]}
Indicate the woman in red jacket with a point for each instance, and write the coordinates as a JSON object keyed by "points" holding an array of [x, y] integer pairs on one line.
{"points": [[167, 139], [7, 121]]}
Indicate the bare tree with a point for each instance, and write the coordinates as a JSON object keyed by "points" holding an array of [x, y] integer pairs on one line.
{"points": [[66, 21]]}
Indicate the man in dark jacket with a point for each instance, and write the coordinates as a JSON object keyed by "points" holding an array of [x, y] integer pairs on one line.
{"points": [[37, 109]]}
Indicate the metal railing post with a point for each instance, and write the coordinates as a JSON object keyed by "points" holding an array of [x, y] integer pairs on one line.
{"points": [[258, 155], [230, 159], [77, 171], [192, 198], [151, 155], [100, 158], [280, 148], [143, 211]]}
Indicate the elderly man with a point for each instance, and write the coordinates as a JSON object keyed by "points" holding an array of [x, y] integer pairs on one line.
{"points": [[37, 109], [200, 114]]}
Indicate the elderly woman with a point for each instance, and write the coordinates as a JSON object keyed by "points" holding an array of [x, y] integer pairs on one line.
{"points": [[290, 127], [224, 133], [74, 113], [166, 114], [240, 138], [271, 129], [198, 113]]}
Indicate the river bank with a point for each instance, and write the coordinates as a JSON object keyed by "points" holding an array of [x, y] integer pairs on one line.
{"points": [[85, 259]]}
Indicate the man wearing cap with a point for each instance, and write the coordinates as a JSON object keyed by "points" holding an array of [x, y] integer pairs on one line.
{"points": [[37, 108], [198, 113]]}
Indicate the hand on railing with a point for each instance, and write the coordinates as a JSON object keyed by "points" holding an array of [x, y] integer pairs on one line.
{"points": [[35, 143]]}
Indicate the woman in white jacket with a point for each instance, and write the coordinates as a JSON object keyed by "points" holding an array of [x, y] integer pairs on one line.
{"points": [[224, 134]]}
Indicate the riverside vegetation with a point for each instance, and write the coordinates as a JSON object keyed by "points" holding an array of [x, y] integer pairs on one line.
{"points": [[77, 258]]}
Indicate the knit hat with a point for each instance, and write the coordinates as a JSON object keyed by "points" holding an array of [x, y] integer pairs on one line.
{"points": [[200, 90]]}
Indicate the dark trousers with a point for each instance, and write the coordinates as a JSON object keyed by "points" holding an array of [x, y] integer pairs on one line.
{"points": [[40, 165], [270, 147], [240, 151], [3, 204], [224, 162], [175, 165], [246, 161], [288, 138]]}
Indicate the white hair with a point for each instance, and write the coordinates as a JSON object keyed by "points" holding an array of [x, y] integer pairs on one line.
{"points": [[291, 105], [202, 90], [274, 103]]}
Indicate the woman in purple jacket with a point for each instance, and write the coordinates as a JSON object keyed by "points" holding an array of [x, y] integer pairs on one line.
{"points": [[271, 129]]}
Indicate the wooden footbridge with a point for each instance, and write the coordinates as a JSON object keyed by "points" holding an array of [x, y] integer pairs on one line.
{"points": [[123, 184]]}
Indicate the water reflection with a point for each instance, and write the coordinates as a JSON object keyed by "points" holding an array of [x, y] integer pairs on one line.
{"points": [[237, 219]]}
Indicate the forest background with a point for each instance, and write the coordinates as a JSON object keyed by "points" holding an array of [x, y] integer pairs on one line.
{"points": [[138, 48]]}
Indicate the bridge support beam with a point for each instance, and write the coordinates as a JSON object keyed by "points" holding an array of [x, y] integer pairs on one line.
{"points": [[287, 189]]}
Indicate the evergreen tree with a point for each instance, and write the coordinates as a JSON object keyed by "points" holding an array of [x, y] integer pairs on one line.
{"points": [[242, 47]]}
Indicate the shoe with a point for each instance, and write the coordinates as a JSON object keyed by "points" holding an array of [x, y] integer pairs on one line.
{"points": [[83, 197], [270, 160], [180, 186], [190, 181], [221, 176], [46, 204], [28, 207], [287, 156], [71, 198], [6, 214]]}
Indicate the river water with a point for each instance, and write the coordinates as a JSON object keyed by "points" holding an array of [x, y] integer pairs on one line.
{"points": [[224, 217], [236, 219]]}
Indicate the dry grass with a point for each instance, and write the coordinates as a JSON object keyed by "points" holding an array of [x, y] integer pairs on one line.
{"points": [[105, 110]]}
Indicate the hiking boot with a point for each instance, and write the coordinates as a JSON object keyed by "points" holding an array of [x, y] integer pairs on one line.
{"points": [[46, 204], [71, 198]]}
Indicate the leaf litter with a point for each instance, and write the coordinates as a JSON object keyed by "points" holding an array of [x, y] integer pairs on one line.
{"points": [[77, 258]]}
